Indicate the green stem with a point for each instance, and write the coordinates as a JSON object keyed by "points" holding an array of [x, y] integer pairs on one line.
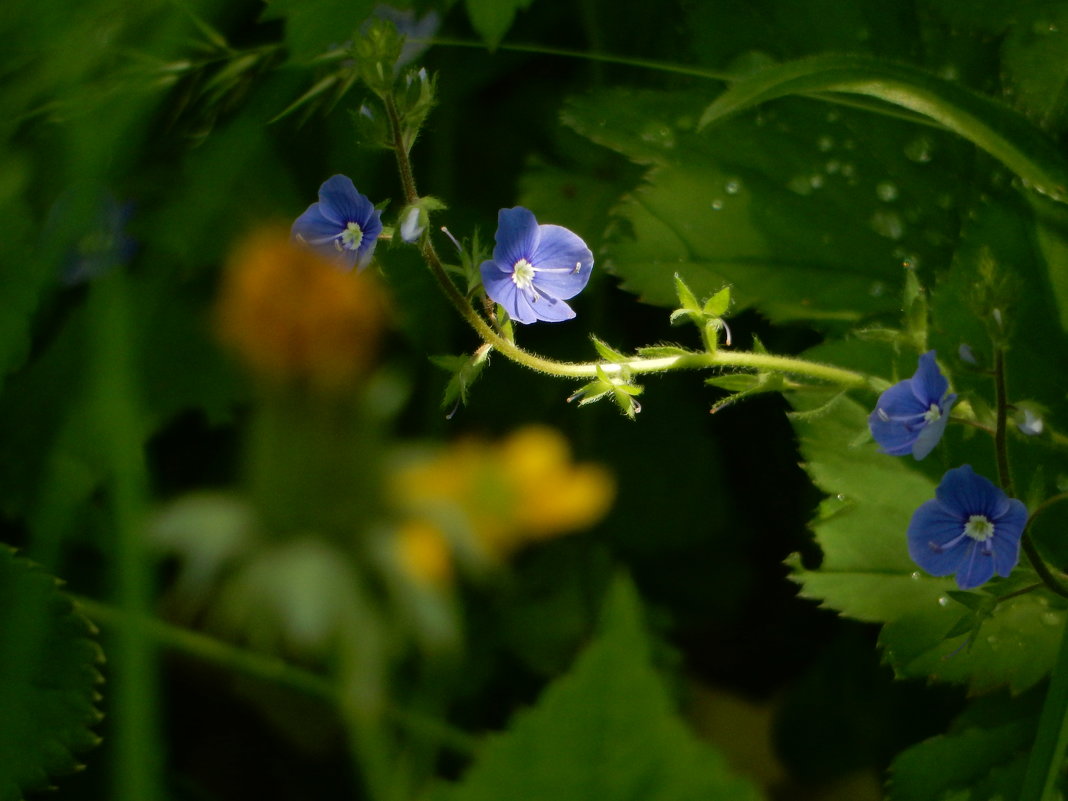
{"points": [[1044, 767], [579, 370], [268, 668], [1001, 445], [1040, 566], [118, 425]]}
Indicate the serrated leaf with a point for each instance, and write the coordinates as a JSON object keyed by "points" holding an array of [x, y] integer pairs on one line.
{"points": [[995, 128], [605, 731], [780, 207], [983, 756], [867, 574], [491, 19], [48, 680]]}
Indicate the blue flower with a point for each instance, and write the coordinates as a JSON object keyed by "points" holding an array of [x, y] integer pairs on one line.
{"points": [[343, 224], [535, 268], [911, 416], [971, 528]]}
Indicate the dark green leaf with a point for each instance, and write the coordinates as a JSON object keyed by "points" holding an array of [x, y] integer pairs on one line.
{"points": [[605, 731], [48, 679]]}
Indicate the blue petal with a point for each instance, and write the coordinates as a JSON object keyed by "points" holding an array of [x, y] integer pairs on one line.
{"points": [[932, 528], [932, 432], [339, 201], [313, 227], [928, 383], [895, 436], [1006, 552], [502, 289], [563, 262], [517, 237], [966, 493], [976, 568], [550, 310]]}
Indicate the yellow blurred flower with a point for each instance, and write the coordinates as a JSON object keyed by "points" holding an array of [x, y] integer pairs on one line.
{"points": [[424, 552], [504, 495], [292, 315]]}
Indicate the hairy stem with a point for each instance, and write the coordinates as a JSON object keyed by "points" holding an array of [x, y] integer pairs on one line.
{"points": [[580, 370]]}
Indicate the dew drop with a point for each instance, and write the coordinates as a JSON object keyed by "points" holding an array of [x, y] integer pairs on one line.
{"points": [[919, 150], [943, 600], [800, 185], [717, 204], [733, 186], [1050, 619], [888, 224], [886, 191], [916, 575]]}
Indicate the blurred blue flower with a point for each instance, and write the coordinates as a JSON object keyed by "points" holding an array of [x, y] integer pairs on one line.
{"points": [[971, 529], [535, 268], [343, 225], [411, 28], [911, 416], [101, 241]]}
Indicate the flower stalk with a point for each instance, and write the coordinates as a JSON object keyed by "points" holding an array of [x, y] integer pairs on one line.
{"points": [[584, 370]]}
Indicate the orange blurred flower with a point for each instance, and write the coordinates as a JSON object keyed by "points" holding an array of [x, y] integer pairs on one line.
{"points": [[292, 315]]}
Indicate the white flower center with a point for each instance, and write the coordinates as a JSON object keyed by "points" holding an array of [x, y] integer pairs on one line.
{"points": [[523, 274], [932, 414], [979, 528], [350, 238]]}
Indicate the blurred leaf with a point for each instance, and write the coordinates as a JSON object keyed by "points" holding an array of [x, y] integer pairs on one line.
{"points": [[805, 213], [491, 19], [995, 128], [1035, 63], [984, 754], [606, 730], [314, 25], [48, 680]]}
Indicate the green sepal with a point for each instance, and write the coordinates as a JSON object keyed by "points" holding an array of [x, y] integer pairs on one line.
{"points": [[660, 351], [606, 351], [466, 370], [717, 305], [915, 306], [687, 299], [376, 53]]}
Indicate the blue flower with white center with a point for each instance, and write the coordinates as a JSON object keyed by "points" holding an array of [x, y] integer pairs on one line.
{"points": [[971, 529], [535, 268], [343, 225], [911, 416]]}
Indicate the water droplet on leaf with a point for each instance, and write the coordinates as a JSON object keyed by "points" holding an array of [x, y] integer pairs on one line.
{"points": [[886, 191]]}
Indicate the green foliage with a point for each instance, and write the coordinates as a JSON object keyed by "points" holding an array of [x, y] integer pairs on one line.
{"points": [[48, 680], [606, 730], [983, 755], [866, 572], [989, 125], [785, 206], [491, 19], [314, 25]]}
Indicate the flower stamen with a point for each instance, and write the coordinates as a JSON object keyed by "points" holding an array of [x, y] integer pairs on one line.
{"points": [[979, 528], [523, 275]]}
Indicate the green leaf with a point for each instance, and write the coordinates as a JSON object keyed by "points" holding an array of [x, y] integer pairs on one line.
{"points": [[1034, 58], [989, 125], [491, 19], [804, 213], [314, 25], [717, 305], [866, 572], [48, 680], [607, 731], [984, 754]]}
